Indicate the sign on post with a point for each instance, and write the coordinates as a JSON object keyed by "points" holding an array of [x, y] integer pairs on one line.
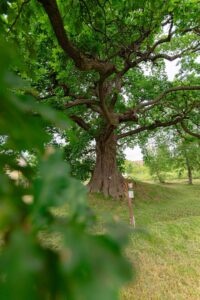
{"points": [[130, 190], [130, 197], [131, 194]]}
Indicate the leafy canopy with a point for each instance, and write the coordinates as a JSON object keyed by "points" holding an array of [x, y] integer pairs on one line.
{"points": [[88, 58]]}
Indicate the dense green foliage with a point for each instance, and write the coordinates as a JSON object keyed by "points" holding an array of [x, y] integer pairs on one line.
{"points": [[159, 160], [88, 58], [35, 184], [102, 64]]}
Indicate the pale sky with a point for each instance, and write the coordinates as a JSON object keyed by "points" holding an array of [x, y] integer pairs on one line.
{"points": [[135, 153]]}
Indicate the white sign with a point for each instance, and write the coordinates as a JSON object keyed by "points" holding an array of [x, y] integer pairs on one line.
{"points": [[131, 194]]}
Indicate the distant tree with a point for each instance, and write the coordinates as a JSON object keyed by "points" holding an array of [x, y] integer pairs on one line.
{"points": [[169, 150], [129, 168], [158, 158], [186, 155]]}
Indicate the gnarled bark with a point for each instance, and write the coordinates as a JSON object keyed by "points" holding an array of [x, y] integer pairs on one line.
{"points": [[106, 177]]}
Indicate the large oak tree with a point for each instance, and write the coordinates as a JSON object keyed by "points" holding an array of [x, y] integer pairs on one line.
{"points": [[88, 58]]}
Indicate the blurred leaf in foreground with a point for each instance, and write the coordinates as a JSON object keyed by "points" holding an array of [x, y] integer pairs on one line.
{"points": [[84, 265]]}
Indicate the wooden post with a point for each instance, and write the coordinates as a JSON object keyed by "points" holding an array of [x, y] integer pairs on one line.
{"points": [[130, 196]]}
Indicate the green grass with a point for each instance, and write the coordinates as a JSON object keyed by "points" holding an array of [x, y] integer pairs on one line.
{"points": [[166, 247]]}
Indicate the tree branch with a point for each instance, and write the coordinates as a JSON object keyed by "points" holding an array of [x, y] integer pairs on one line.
{"points": [[19, 13], [170, 90], [173, 57], [166, 39], [81, 102], [90, 18], [149, 53], [81, 60], [102, 97], [197, 135], [117, 85], [93, 104], [129, 115], [153, 126], [79, 121]]}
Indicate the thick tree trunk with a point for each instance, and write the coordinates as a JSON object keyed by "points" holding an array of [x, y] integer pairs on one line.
{"points": [[106, 177]]}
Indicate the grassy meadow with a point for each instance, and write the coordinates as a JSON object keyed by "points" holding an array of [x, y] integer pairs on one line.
{"points": [[165, 247]]}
